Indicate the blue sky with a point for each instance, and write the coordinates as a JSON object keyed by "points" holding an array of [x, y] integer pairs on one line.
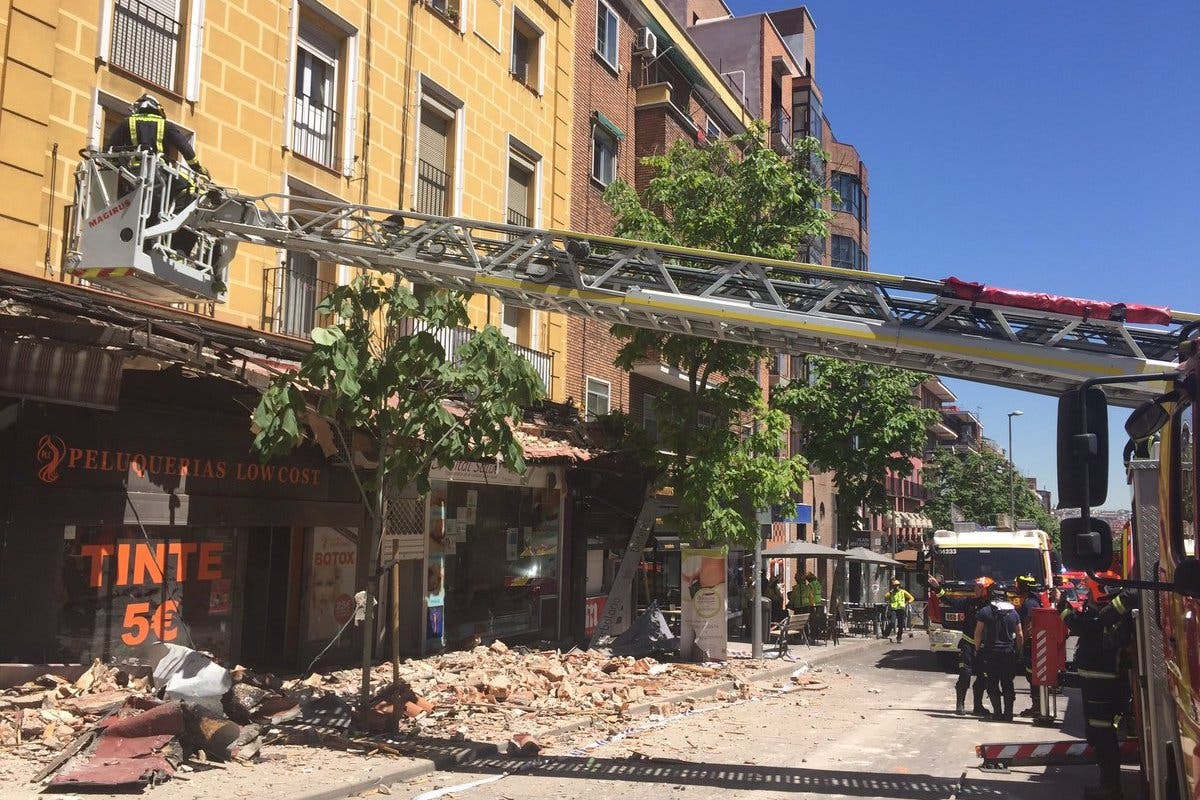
{"points": [[1041, 146]]}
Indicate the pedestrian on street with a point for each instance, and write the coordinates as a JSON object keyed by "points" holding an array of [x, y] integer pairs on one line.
{"points": [[998, 631], [898, 599], [1027, 600], [748, 604], [1101, 659], [968, 659], [774, 592]]}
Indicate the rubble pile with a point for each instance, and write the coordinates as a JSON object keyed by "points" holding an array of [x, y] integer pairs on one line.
{"points": [[488, 693]]}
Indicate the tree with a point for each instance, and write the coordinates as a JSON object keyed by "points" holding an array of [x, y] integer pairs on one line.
{"points": [[380, 372], [718, 441], [859, 420], [977, 484]]}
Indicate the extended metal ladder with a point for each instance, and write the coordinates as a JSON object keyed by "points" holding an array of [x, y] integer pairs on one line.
{"points": [[788, 306]]}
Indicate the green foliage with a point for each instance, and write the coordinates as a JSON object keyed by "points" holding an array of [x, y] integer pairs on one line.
{"points": [[977, 484], [859, 420], [719, 443], [380, 371]]}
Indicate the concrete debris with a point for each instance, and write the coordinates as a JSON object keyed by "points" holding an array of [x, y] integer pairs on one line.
{"points": [[197, 710]]}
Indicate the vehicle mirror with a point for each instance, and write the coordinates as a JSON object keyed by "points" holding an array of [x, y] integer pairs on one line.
{"points": [[1187, 577], [1146, 420], [1086, 547], [1082, 448]]}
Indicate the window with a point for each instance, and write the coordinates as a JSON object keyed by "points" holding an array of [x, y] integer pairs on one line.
{"points": [[316, 106], [606, 34], [650, 416], [604, 156], [598, 395], [711, 131], [850, 197], [521, 190], [434, 167], [447, 8], [147, 40], [1179, 453], [526, 52], [847, 254], [294, 289]]}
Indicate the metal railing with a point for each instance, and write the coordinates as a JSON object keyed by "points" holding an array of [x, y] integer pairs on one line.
{"points": [[781, 130], [290, 299], [516, 218], [433, 188], [452, 339], [315, 133], [145, 42]]}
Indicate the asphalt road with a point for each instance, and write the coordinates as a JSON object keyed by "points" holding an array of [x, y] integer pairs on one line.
{"points": [[884, 728]]}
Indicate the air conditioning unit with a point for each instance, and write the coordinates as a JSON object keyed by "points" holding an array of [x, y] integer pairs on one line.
{"points": [[645, 42]]}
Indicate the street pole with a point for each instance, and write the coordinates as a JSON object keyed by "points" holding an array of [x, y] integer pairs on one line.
{"points": [[756, 636], [1012, 474]]}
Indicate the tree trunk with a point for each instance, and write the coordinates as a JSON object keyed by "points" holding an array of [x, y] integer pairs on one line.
{"points": [[368, 546]]}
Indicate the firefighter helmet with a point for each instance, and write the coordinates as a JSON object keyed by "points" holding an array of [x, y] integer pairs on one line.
{"points": [[147, 104], [1103, 592], [1026, 582], [982, 586]]}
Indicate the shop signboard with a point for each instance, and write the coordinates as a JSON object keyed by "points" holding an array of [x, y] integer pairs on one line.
{"points": [[703, 633], [330, 582]]}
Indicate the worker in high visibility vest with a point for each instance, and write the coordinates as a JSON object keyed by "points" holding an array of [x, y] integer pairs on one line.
{"points": [[968, 659], [147, 128], [898, 599], [1105, 630]]}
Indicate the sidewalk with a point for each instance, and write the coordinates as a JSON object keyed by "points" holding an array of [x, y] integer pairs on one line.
{"points": [[772, 670]]}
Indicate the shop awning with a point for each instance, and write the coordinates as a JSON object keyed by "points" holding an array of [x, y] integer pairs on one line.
{"points": [[609, 125], [61, 373], [907, 557], [870, 557], [802, 550]]}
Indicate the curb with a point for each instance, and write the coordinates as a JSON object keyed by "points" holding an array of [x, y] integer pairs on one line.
{"points": [[425, 766]]}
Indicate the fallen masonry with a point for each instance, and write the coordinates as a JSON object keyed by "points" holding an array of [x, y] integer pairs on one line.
{"points": [[130, 727]]}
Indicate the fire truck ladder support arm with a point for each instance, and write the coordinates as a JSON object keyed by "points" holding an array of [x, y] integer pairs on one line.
{"points": [[787, 306]]}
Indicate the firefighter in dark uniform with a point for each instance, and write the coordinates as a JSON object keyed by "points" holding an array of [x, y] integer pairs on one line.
{"points": [[1027, 600], [1105, 630], [147, 128], [998, 631], [968, 662]]}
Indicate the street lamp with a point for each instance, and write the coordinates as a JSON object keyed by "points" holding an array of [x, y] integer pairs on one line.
{"points": [[1012, 474]]}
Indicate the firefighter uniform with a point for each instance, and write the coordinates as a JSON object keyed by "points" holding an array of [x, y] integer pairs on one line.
{"points": [[998, 627], [147, 128], [1028, 600], [1104, 633]]}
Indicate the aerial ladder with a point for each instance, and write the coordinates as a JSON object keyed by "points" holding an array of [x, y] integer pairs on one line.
{"points": [[129, 207], [128, 211]]}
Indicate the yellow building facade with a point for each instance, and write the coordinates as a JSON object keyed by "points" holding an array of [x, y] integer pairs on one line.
{"points": [[456, 107]]}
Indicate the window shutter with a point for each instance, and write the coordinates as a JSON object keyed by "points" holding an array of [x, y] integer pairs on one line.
{"points": [[518, 191], [435, 135], [145, 39]]}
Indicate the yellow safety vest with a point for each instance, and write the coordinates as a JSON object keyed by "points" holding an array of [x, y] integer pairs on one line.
{"points": [[898, 600]]}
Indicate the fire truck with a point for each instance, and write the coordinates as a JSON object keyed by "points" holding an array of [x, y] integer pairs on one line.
{"points": [[129, 207], [959, 557]]}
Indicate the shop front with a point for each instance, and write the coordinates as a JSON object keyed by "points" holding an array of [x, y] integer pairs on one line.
{"points": [[494, 561], [157, 522]]}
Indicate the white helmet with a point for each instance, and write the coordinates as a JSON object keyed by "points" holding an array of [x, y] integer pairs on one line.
{"points": [[147, 104]]}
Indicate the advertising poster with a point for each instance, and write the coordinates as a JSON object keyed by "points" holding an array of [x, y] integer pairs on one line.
{"points": [[703, 631], [435, 599], [330, 582]]}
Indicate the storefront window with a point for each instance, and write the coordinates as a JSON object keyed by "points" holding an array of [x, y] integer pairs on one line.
{"points": [[122, 590], [500, 560]]}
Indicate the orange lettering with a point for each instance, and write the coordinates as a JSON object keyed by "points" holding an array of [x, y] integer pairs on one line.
{"points": [[138, 465], [135, 624], [220, 469], [165, 622], [147, 561], [170, 465], [97, 553], [155, 465], [122, 565], [75, 455], [210, 561], [181, 551], [183, 466], [89, 462]]}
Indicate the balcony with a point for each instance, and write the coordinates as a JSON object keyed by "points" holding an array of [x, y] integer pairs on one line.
{"points": [[781, 131], [314, 133], [290, 299], [452, 339], [145, 42]]}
